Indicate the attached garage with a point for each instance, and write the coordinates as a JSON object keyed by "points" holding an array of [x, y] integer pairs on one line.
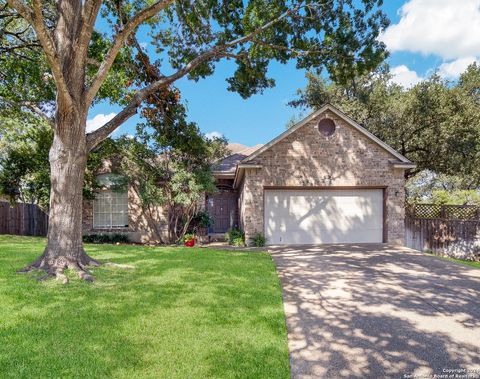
{"points": [[324, 180], [318, 216]]}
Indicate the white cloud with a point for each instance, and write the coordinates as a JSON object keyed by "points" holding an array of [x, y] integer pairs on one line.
{"points": [[98, 121], [212, 135], [405, 77], [452, 70], [448, 28]]}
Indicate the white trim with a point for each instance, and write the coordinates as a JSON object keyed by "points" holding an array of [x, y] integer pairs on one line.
{"points": [[315, 114], [403, 165], [240, 170], [224, 174], [242, 165], [238, 177]]}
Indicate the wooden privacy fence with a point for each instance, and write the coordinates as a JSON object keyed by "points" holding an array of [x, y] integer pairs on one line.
{"points": [[22, 219], [446, 229]]}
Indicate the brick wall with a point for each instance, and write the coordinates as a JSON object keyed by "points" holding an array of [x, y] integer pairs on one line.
{"points": [[306, 158]]}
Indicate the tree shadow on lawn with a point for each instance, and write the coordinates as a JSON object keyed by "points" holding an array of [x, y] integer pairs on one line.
{"points": [[178, 313], [369, 314]]}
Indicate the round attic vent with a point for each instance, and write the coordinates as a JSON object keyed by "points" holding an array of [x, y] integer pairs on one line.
{"points": [[326, 127]]}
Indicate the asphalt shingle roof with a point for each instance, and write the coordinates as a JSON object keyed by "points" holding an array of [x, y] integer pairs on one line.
{"points": [[239, 152]]}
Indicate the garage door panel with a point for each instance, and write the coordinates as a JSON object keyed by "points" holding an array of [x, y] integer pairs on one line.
{"points": [[323, 216]]}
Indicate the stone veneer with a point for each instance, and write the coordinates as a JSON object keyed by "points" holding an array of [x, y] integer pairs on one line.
{"points": [[306, 158]]}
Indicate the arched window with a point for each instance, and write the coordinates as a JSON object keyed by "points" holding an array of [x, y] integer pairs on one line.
{"points": [[110, 206]]}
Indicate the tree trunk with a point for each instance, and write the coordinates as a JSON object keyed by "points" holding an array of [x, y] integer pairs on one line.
{"points": [[68, 157], [68, 154]]}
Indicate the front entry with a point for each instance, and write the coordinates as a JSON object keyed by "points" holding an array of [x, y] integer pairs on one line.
{"points": [[222, 207]]}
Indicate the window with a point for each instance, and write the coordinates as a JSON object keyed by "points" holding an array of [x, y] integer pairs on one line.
{"points": [[326, 127], [110, 210]]}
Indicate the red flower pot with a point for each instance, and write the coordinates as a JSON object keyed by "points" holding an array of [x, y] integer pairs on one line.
{"points": [[189, 243]]}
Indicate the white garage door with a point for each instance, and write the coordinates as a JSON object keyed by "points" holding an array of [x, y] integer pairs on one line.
{"points": [[323, 216]]}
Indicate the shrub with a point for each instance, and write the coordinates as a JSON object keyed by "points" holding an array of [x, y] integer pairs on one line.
{"points": [[235, 237], [258, 240], [238, 241], [106, 238], [201, 220], [188, 237]]}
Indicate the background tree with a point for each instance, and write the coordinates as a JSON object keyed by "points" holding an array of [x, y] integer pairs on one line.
{"points": [[435, 124], [429, 187], [191, 36], [24, 166], [24, 169], [168, 177], [168, 165]]}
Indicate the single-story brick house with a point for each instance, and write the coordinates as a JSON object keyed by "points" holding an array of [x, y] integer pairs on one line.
{"points": [[324, 180]]}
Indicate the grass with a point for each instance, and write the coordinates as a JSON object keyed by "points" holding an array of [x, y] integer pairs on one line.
{"points": [[180, 313], [463, 262], [454, 260]]}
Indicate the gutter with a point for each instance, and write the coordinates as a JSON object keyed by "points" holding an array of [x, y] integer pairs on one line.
{"points": [[223, 174], [403, 165]]}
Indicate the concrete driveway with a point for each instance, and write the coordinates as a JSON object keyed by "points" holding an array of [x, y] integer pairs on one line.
{"points": [[378, 311]]}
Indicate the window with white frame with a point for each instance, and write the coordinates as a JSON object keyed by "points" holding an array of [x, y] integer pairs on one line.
{"points": [[110, 210]]}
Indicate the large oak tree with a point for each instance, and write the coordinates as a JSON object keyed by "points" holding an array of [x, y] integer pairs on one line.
{"points": [[84, 63]]}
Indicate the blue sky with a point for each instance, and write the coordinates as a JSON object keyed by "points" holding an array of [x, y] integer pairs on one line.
{"points": [[425, 35]]}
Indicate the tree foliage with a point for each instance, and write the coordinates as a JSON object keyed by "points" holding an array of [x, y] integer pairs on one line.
{"points": [[429, 187], [24, 169], [190, 38], [24, 166], [436, 123], [167, 165]]}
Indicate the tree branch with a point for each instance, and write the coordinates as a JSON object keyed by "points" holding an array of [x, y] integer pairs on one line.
{"points": [[118, 42], [32, 107], [93, 62], [45, 38], [23, 9], [35, 109], [285, 48], [17, 47], [89, 15], [35, 18], [94, 138]]}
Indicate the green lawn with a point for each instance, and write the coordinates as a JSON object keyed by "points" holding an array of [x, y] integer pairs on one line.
{"points": [[180, 313], [460, 261]]}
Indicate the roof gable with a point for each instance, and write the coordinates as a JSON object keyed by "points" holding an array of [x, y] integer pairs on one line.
{"points": [[306, 120]]}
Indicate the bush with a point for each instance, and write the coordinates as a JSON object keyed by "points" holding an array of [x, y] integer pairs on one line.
{"points": [[235, 237], [258, 240], [105, 238], [239, 242], [188, 237], [201, 220]]}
